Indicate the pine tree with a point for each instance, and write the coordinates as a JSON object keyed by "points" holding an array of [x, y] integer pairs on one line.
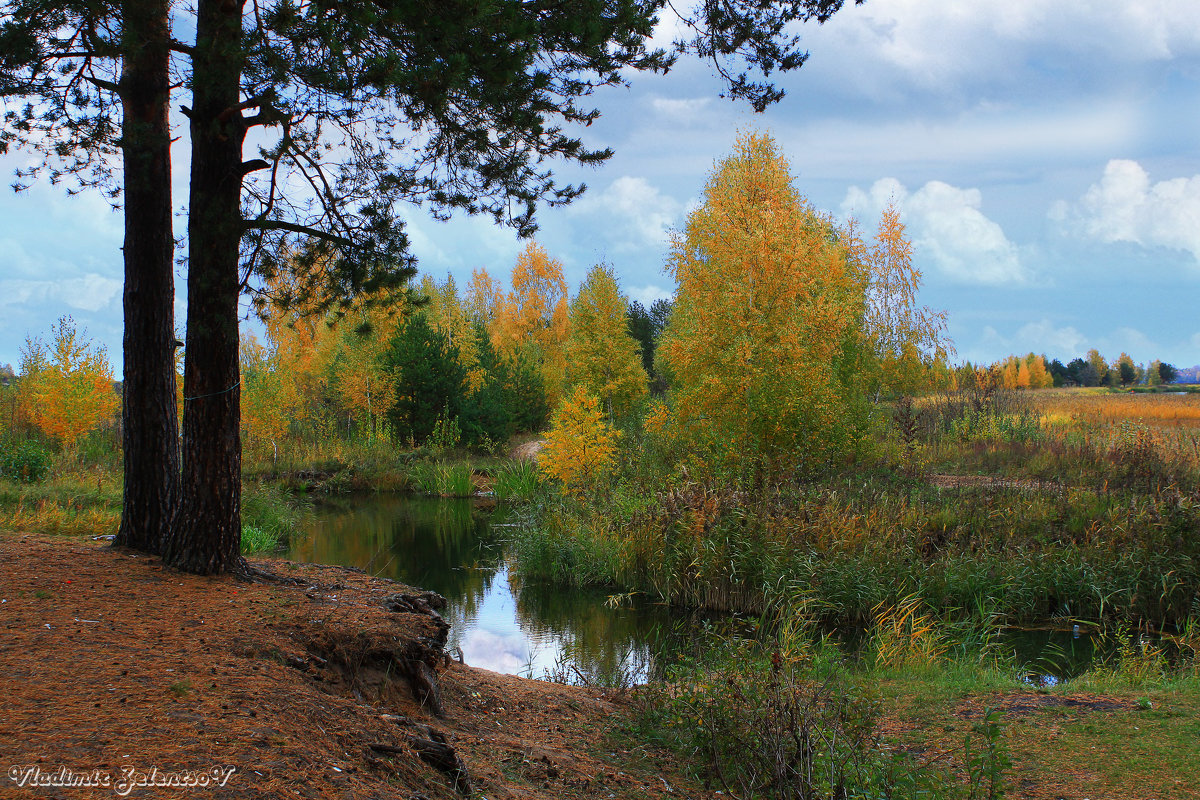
{"points": [[488, 92]]}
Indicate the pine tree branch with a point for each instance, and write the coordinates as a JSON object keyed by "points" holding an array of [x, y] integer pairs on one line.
{"points": [[281, 225]]}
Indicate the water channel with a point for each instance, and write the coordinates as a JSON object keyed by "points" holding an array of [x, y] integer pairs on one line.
{"points": [[456, 548]]}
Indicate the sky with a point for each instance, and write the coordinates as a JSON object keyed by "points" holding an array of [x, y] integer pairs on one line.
{"points": [[1045, 158]]}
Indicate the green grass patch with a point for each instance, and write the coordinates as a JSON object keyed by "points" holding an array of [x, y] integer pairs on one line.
{"points": [[270, 515], [516, 480], [442, 478]]}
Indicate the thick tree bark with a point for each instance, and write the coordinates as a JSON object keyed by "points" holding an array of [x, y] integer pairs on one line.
{"points": [[206, 535], [150, 429]]}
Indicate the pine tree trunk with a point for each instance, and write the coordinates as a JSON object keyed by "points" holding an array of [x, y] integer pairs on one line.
{"points": [[206, 536], [150, 431]]}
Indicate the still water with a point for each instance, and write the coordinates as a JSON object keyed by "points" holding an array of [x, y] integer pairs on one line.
{"points": [[455, 547]]}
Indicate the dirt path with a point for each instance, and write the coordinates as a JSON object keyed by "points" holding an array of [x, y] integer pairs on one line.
{"points": [[112, 663]]}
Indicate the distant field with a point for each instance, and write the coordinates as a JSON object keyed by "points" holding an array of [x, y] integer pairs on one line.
{"points": [[1085, 406]]}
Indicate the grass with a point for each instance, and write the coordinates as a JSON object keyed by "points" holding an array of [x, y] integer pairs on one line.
{"points": [[78, 503], [87, 503], [1067, 522], [442, 478], [1126, 728], [1098, 735], [516, 480], [270, 515]]}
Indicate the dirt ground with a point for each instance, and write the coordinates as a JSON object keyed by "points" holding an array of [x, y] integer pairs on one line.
{"points": [[122, 678]]}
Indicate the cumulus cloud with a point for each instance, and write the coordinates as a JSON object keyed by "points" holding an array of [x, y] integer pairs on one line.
{"points": [[947, 227], [640, 214], [1065, 342], [1132, 341], [1124, 206], [943, 45]]}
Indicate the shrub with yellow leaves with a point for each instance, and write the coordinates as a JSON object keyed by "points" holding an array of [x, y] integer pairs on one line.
{"points": [[580, 449]]}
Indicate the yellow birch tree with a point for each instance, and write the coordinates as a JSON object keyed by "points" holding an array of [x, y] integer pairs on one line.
{"points": [[451, 318], [533, 317], [270, 396], [73, 392], [580, 449], [601, 355], [765, 346], [364, 384], [905, 337]]}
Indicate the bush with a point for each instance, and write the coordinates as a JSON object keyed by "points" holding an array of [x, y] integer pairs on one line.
{"points": [[780, 719], [25, 463]]}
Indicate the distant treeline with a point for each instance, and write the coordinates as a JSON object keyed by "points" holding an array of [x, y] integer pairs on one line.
{"points": [[1092, 369]]}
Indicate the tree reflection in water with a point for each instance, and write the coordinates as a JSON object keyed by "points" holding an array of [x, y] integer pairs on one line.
{"points": [[449, 546]]}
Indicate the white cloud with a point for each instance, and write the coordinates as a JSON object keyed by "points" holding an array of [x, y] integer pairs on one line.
{"points": [[496, 652], [642, 213], [679, 111], [1065, 342], [646, 295], [950, 46], [1043, 337], [947, 227], [1124, 206], [670, 28], [90, 292], [1010, 139], [1033, 337], [1129, 340]]}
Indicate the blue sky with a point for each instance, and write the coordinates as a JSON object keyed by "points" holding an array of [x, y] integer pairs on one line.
{"points": [[1046, 157]]}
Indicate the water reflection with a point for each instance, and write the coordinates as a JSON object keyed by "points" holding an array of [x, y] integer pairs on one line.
{"points": [[454, 547], [449, 546]]}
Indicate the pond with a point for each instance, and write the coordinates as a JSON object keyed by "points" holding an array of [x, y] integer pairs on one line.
{"points": [[455, 547]]}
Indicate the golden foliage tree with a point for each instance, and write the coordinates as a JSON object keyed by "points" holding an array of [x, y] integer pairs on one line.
{"points": [[533, 317], [320, 366], [453, 319], [765, 346], [72, 391], [270, 395], [906, 338], [601, 355], [484, 297], [364, 384], [580, 449], [30, 367], [1039, 376]]}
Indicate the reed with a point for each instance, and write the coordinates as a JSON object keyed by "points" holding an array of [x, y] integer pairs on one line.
{"points": [[516, 480], [442, 479]]}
